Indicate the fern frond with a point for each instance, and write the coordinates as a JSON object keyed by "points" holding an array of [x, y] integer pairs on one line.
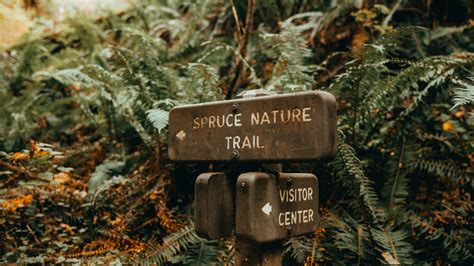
{"points": [[351, 174], [158, 117], [444, 168], [394, 242], [68, 77], [299, 248], [82, 29], [464, 94], [144, 44], [396, 187], [103, 173], [205, 80], [174, 244], [457, 242], [289, 50]]}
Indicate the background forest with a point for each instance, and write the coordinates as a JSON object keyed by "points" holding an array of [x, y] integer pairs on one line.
{"points": [[84, 173]]}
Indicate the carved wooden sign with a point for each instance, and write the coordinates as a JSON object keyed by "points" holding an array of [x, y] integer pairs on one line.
{"points": [[286, 127], [270, 209]]}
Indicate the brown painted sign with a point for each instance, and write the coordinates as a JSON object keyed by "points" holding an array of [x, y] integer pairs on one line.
{"points": [[270, 208], [214, 212], [286, 127]]}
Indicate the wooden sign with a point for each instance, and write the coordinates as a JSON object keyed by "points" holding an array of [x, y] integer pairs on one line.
{"points": [[286, 127], [270, 208], [214, 211]]}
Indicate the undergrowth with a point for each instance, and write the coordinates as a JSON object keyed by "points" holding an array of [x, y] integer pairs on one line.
{"points": [[84, 173]]}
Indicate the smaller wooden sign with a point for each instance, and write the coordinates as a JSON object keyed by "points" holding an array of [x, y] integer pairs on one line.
{"points": [[214, 212], [270, 208]]}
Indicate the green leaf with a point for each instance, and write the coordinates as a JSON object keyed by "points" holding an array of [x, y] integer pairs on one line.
{"points": [[158, 117]]}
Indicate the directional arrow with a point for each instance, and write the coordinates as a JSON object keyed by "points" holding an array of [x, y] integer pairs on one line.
{"points": [[267, 208], [181, 135]]}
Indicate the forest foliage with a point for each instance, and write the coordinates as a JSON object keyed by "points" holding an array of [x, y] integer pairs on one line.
{"points": [[84, 173]]}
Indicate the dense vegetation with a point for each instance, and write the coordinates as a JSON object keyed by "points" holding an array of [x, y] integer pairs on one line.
{"points": [[84, 173]]}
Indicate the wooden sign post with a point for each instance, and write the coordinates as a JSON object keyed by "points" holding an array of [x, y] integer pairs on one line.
{"points": [[269, 205]]}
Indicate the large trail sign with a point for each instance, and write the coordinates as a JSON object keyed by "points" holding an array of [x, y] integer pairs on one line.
{"points": [[265, 206], [286, 127]]}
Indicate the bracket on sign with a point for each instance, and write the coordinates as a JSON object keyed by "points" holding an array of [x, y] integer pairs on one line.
{"points": [[264, 208]]}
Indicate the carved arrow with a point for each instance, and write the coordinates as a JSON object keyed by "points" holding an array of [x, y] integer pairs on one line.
{"points": [[267, 208], [181, 135]]}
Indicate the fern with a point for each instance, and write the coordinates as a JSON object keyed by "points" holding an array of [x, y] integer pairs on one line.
{"points": [[349, 170], [83, 30], [158, 118], [102, 174], [289, 52], [206, 81], [396, 188], [456, 243], [68, 77], [299, 248], [175, 246], [464, 94], [443, 168]]}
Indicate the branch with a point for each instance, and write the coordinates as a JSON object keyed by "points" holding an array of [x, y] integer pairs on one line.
{"points": [[248, 27], [237, 21], [392, 11], [21, 171], [238, 67], [397, 176]]}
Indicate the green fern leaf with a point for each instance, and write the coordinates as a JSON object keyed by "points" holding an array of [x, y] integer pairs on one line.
{"points": [[158, 118], [464, 94]]}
